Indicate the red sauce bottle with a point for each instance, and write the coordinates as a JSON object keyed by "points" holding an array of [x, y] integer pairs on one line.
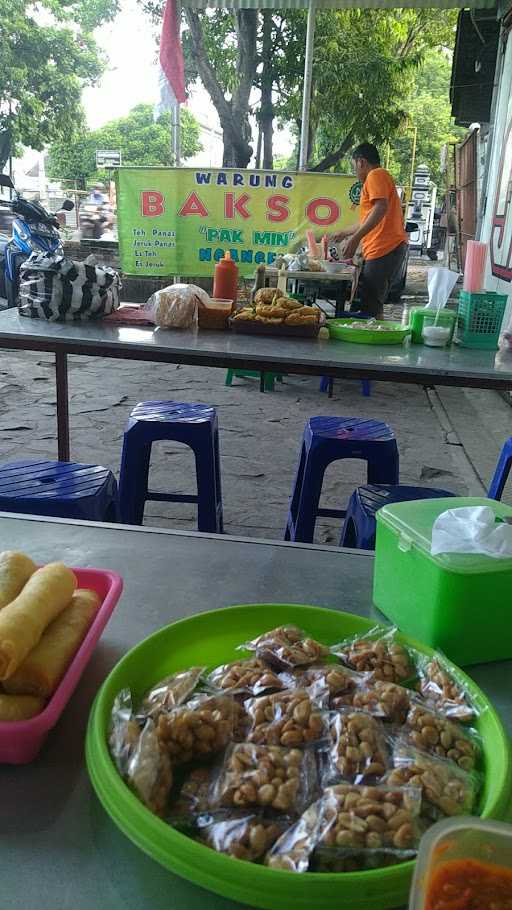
{"points": [[225, 280]]}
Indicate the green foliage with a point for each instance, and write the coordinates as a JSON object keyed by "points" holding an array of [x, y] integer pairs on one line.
{"points": [[47, 54], [364, 64], [428, 109], [140, 139]]}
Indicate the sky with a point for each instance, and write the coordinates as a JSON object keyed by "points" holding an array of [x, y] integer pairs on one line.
{"points": [[132, 75]]}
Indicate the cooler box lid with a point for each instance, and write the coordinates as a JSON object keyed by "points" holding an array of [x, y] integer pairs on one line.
{"points": [[412, 522]]}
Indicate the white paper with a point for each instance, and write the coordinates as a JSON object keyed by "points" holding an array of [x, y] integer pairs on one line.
{"points": [[440, 284], [471, 529]]}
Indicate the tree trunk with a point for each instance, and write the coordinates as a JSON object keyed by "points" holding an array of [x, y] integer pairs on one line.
{"points": [[257, 162], [233, 113], [267, 108], [333, 158], [5, 148]]}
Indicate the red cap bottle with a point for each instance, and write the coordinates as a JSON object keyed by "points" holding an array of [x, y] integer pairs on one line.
{"points": [[225, 280]]}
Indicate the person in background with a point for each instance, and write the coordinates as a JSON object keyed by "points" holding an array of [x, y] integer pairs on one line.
{"points": [[380, 231], [97, 197]]}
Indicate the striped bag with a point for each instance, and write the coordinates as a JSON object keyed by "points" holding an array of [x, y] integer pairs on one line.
{"points": [[58, 289]]}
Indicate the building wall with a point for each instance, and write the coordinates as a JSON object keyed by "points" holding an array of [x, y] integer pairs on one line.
{"points": [[497, 221]]}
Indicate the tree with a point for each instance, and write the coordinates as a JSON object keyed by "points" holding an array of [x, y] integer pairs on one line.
{"points": [[429, 111], [140, 139], [252, 63], [364, 65], [47, 55]]}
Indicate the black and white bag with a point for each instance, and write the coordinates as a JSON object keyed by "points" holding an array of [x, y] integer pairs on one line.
{"points": [[55, 288]]}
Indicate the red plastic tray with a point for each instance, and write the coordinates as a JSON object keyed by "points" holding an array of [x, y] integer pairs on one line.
{"points": [[20, 741]]}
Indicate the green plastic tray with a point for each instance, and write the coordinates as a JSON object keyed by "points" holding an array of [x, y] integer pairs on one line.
{"points": [[211, 639], [339, 331]]}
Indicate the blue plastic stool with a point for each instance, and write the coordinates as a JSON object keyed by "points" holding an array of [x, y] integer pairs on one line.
{"points": [[326, 383], [328, 439], [60, 489], [502, 471], [360, 523], [196, 426]]}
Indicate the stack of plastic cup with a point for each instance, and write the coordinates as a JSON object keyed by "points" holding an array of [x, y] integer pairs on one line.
{"points": [[313, 248], [474, 269]]}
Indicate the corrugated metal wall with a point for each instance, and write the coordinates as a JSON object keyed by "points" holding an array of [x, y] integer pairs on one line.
{"points": [[467, 189]]}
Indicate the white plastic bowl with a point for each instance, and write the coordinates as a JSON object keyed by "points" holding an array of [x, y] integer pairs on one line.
{"points": [[332, 267], [436, 336]]}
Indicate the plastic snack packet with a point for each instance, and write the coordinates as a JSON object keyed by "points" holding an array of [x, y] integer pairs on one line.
{"points": [[358, 750], [444, 786], [252, 677], [445, 693], [248, 837], [286, 647], [149, 771], [265, 777], [378, 652], [198, 729], [432, 732], [288, 718], [170, 692]]}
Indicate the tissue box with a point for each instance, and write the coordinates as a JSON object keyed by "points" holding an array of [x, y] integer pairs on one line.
{"points": [[460, 603]]}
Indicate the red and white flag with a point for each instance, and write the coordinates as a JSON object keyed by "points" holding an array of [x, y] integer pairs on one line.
{"points": [[172, 70]]}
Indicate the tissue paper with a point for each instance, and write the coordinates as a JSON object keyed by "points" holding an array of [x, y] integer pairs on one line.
{"points": [[472, 529]]}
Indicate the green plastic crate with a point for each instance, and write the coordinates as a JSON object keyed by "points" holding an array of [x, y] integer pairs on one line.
{"points": [[458, 602], [479, 319]]}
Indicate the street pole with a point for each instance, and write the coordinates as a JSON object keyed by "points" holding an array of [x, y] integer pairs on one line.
{"points": [[176, 126], [413, 158], [308, 78]]}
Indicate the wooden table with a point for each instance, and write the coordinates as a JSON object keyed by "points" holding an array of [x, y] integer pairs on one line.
{"points": [[59, 848], [453, 366]]}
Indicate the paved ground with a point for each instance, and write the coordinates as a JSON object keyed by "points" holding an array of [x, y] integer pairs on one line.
{"points": [[450, 438]]}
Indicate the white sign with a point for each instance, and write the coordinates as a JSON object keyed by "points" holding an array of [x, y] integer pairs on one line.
{"points": [[108, 158]]}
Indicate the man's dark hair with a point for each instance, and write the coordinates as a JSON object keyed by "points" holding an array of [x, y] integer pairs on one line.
{"points": [[367, 151]]}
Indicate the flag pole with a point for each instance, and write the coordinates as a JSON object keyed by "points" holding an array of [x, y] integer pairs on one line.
{"points": [[176, 131], [308, 78]]}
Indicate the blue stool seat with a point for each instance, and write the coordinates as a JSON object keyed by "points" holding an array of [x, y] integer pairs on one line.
{"points": [[59, 488], [194, 425], [502, 471], [360, 523], [328, 439]]}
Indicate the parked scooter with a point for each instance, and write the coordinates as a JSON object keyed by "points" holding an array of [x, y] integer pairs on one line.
{"points": [[33, 230]]}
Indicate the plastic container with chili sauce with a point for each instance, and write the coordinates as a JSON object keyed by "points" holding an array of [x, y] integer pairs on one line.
{"points": [[464, 863], [225, 279]]}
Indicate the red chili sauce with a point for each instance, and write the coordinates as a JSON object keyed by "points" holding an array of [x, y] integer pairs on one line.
{"points": [[469, 885]]}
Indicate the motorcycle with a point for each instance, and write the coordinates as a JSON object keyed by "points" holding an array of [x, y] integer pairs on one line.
{"points": [[95, 220], [33, 230]]}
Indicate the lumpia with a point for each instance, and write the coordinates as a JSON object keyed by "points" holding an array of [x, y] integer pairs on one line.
{"points": [[15, 571], [22, 622], [42, 670]]}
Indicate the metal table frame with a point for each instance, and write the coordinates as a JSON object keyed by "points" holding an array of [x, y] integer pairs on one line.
{"points": [[314, 357]]}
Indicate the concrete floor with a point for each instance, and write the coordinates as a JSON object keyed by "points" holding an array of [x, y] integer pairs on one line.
{"points": [[448, 438]]}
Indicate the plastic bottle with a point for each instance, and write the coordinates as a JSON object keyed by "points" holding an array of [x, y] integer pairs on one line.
{"points": [[225, 280], [282, 281]]}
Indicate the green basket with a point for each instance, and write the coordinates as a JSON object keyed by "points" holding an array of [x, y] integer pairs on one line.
{"points": [[479, 319]]}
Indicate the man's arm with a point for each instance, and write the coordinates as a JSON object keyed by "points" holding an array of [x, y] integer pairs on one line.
{"points": [[346, 232]]}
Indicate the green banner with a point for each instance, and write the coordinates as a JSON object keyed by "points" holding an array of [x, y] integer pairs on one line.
{"points": [[181, 221]]}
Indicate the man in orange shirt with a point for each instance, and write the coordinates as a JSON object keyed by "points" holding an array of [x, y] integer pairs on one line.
{"points": [[381, 231]]}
